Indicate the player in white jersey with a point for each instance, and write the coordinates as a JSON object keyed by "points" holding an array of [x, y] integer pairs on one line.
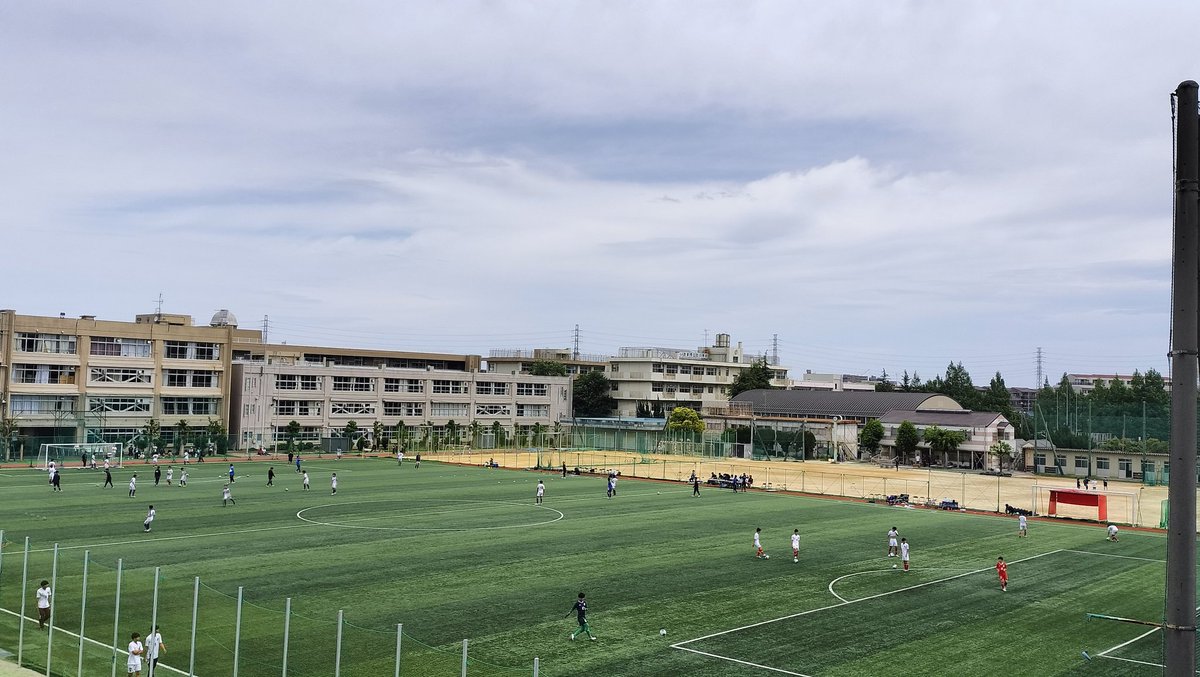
{"points": [[904, 552], [149, 518], [227, 497], [1112, 532], [541, 491], [758, 549], [133, 485], [134, 664], [170, 474], [333, 484], [1022, 526], [795, 545], [893, 546], [306, 480]]}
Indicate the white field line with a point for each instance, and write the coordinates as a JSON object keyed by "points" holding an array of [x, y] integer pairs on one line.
{"points": [[881, 571], [680, 645], [1104, 654], [741, 662], [1109, 554], [57, 628]]}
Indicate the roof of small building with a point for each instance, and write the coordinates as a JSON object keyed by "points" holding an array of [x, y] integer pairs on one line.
{"points": [[824, 403], [962, 418]]}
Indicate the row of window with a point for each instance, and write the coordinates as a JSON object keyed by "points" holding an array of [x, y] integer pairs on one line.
{"points": [[1124, 465], [366, 384], [65, 374], [169, 406], [115, 346], [313, 433], [302, 408], [682, 388], [660, 368]]}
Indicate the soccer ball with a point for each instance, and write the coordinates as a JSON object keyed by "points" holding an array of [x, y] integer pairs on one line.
{"points": [[795, 559], [286, 489], [766, 557], [662, 632], [893, 566]]}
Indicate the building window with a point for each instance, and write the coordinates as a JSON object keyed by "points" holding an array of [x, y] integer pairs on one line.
{"points": [[191, 350], [672, 368], [109, 346], [189, 378], [1081, 463], [118, 375], [710, 371], [392, 385], [657, 367], [193, 406], [493, 410], [414, 409], [297, 407], [310, 382], [355, 384], [45, 343], [119, 405], [1125, 466], [449, 409], [449, 387], [1039, 460], [491, 388], [656, 387], [285, 381], [1102, 463], [42, 404], [48, 374], [535, 389], [351, 408], [533, 411]]}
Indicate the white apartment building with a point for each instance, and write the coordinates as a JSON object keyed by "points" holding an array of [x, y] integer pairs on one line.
{"points": [[323, 398], [660, 379], [1083, 383]]}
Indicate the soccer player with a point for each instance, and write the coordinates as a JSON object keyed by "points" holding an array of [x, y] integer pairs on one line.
{"points": [[133, 485], [418, 459], [43, 604], [611, 481], [795, 545], [541, 491], [904, 552], [170, 474], [297, 462], [1112, 532], [134, 663], [107, 476], [231, 479], [157, 473], [227, 497], [758, 549], [306, 480], [893, 547], [154, 646], [56, 481], [1022, 526], [149, 518], [695, 485], [270, 477], [1002, 569], [332, 484], [183, 477], [580, 609], [399, 457]]}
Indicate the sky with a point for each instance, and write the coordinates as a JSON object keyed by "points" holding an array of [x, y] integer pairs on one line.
{"points": [[863, 186]]}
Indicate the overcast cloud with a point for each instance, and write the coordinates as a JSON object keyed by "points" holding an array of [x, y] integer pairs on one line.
{"points": [[884, 185]]}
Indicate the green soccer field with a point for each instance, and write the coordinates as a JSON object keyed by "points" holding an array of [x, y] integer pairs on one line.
{"points": [[457, 552]]}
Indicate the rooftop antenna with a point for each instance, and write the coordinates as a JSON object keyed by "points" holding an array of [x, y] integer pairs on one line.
{"points": [[575, 351], [158, 308]]}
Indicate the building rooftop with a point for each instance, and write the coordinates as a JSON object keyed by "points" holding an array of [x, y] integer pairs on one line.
{"points": [[857, 404]]}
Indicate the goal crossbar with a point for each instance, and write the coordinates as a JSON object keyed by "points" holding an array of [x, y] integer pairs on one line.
{"points": [[1110, 506], [64, 455]]}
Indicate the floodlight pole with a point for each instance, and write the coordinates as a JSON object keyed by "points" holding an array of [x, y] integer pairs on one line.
{"points": [[1179, 628]]}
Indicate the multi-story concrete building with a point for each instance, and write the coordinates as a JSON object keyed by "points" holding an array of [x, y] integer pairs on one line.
{"points": [[520, 361], [656, 380], [72, 380], [1082, 383], [324, 396]]}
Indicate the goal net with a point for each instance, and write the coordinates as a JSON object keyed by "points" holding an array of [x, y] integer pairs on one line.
{"points": [[1086, 504], [74, 455]]}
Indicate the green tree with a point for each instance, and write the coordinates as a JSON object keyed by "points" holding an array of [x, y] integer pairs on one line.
{"points": [[907, 439], [452, 431], [497, 434], [376, 434], [218, 435], [8, 434], [349, 432], [593, 396], [401, 434], [756, 377], [181, 435], [871, 435], [536, 434], [475, 430], [547, 368], [1000, 450], [686, 420], [942, 440], [291, 433], [997, 398], [151, 435], [885, 384]]}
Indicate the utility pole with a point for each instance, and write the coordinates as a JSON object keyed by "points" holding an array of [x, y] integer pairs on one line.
{"points": [[575, 349], [1039, 368], [1179, 627]]}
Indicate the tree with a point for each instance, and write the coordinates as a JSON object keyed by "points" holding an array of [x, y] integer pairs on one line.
{"points": [[686, 420], [1000, 450], [536, 433], [643, 409], [942, 440], [907, 438], [997, 398], [181, 433], [756, 377], [497, 434], [349, 432], [593, 395], [8, 434], [547, 368], [452, 431], [475, 429], [218, 435], [871, 435], [401, 434], [885, 384], [291, 433], [151, 435], [376, 433]]}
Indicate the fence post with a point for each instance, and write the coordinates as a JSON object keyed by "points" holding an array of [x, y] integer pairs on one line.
{"points": [[964, 490], [337, 654], [53, 586], [399, 634], [535, 666], [153, 623], [287, 624], [82, 612], [116, 619], [192, 649], [21, 618], [237, 633], [464, 660]]}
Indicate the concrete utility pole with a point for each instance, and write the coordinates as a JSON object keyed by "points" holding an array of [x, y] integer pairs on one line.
{"points": [[1179, 628]]}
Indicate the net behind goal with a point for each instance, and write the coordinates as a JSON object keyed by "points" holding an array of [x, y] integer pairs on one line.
{"points": [[69, 455], [1086, 504]]}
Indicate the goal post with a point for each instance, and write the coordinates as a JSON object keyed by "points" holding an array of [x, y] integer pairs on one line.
{"points": [[67, 455], [1087, 504]]}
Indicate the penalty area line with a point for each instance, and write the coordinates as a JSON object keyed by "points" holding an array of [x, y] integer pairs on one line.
{"points": [[739, 661]]}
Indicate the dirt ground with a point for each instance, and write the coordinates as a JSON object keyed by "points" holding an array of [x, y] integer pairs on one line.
{"points": [[12, 670], [1128, 502]]}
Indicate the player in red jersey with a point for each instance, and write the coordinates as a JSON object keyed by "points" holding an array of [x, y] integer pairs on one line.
{"points": [[1002, 569]]}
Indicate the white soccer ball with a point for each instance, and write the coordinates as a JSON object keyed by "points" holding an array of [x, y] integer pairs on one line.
{"points": [[893, 566], [286, 489], [662, 632], [766, 557]]}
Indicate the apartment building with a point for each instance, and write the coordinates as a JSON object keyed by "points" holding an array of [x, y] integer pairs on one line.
{"points": [[520, 361], [1083, 383], [324, 396], [656, 380], [70, 380]]}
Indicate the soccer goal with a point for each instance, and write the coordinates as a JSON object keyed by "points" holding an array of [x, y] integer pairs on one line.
{"points": [[69, 455], [1103, 506]]}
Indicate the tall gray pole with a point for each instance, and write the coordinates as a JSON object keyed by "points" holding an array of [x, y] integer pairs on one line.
{"points": [[82, 614], [153, 624], [192, 649], [50, 630], [1179, 630], [116, 620], [237, 633], [287, 628], [21, 619]]}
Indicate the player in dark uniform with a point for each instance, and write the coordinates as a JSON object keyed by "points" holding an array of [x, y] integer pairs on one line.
{"points": [[580, 610], [271, 477]]}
